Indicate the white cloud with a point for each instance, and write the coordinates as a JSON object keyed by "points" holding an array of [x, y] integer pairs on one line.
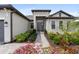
{"points": [[74, 13], [25, 11]]}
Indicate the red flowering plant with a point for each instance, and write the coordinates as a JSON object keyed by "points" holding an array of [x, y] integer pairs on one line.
{"points": [[29, 48]]}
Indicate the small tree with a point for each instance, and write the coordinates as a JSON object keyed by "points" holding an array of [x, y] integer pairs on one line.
{"points": [[74, 26]]}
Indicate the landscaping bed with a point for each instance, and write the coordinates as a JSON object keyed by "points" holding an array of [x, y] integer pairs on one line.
{"points": [[64, 43], [29, 48], [27, 36]]}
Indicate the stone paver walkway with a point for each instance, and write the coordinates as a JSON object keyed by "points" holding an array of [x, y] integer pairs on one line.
{"points": [[38, 39], [42, 39]]}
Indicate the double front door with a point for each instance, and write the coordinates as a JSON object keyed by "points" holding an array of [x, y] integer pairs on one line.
{"points": [[40, 25]]}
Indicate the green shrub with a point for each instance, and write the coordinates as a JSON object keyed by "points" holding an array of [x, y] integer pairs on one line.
{"points": [[32, 37], [51, 35], [24, 36], [55, 37], [20, 38], [67, 37], [72, 38], [27, 34], [75, 40]]}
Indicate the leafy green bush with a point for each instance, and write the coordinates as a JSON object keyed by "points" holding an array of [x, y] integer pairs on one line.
{"points": [[24, 36], [72, 38], [32, 37], [75, 38], [55, 37], [20, 38], [27, 34], [51, 35], [67, 37]]}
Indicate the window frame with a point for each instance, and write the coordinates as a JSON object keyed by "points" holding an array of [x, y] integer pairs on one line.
{"points": [[53, 24], [60, 24], [31, 25]]}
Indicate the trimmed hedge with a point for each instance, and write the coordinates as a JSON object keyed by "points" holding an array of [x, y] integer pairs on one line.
{"points": [[23, 37]]}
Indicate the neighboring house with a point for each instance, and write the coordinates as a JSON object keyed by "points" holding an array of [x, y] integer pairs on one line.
{"points": [[12, 23], [52, 23]]}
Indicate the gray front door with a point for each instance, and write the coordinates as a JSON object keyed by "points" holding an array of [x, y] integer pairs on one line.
{"points": [[40, 26], [1, 31]]}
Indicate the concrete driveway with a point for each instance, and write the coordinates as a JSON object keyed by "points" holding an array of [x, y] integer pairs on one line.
{"points": [[10, 48]]}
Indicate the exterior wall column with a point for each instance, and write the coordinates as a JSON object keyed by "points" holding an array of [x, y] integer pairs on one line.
{"points": [[35, 22], [57, 26], [7, 29]]}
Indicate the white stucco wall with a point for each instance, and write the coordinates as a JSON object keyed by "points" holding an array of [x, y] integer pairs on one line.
{"points": [[19, 24], [56, 15], [64, 15], [49, 24], [5, 15], [39, 14]]}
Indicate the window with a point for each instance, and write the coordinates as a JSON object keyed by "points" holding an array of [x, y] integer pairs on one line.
{"points": [[68, 22], [60, 24], [32, 26], [53, 24]]}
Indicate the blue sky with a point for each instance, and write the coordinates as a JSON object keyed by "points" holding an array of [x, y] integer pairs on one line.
{"points": [[69, 8]]}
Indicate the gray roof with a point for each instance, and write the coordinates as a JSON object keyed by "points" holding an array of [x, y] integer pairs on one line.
{"points": [[61, 11], [30, 17], [9, 6], [41, 10]]}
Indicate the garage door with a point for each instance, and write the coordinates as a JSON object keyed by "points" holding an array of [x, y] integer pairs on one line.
{"points": [[1, 31]]}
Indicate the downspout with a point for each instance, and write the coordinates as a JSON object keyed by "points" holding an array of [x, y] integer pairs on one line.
{"points": [[11, 27]]}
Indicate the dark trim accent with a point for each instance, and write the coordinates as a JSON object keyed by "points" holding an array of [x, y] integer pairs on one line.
{"points": [[60, 18], [9, 6], [40, 17], [62, 12], [41, 10], [59, 14], [30, 20], [11, 28], [44, 17]]}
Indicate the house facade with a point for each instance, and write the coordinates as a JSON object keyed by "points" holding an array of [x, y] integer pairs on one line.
{"points": [[12, 23], [52, 23]]}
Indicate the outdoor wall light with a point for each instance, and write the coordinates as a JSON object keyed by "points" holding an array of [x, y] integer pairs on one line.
{"points": [[6, 24]]}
